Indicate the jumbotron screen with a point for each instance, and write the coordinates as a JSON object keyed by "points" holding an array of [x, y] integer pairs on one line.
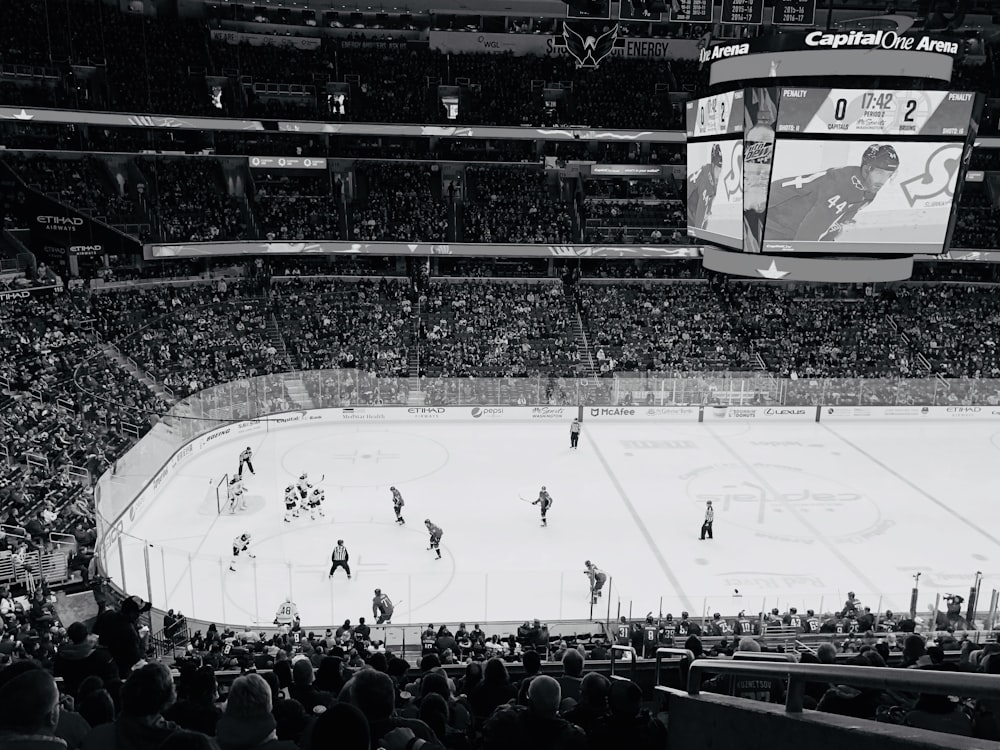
{"points": [[715, 169], [836, 171]]}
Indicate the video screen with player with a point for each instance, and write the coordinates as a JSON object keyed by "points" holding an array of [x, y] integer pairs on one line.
{"points": [[860, 196], [715, 191]]}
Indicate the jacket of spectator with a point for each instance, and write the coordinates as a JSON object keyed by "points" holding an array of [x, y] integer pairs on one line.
{"points": [[493, 691], [247, 723], [374, 694], [302, 688], [537, 726], [117, 631], [148, 692], [627, 725], [198, 711], [81, 657], [593, 703], [572, 676]]}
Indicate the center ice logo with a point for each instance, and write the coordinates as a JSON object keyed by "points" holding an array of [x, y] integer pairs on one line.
{"points": [[789, 504]]}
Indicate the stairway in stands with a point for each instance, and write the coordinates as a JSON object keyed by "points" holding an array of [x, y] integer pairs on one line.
{"points": [[415, 396], [297, 391], [576, 324]]}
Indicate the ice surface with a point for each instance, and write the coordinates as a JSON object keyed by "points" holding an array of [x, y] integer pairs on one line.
{"points": [[804, 513]]}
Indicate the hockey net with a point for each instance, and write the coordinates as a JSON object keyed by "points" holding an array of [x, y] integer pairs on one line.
{"points": [[221, 493]]}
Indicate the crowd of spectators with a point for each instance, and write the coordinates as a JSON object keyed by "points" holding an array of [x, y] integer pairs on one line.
{"points": [[399, 202], [297, 208], [191, 201], [510, 204], [78, 182], [496, 330], [361, 324]]}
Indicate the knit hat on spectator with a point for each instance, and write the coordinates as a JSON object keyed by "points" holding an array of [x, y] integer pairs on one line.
{"points": [[135, 605]]}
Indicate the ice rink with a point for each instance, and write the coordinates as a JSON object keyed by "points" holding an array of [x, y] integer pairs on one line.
{"points": [[804, 513]]}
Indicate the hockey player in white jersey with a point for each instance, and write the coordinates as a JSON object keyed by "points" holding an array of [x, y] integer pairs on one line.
{"points": [[237, 495], [287, 613], [241, 544], [291, 504], [316, 503]]}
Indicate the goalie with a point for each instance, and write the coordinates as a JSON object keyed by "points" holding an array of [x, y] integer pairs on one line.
{"points": [[237, 494]]}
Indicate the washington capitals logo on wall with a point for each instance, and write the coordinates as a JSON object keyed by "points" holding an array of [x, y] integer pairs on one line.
{"points": [[589, 52]]}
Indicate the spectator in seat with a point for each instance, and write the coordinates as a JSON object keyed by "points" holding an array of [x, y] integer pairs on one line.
{"points": [[593, 704], [493, 691], [197, 711], [247, 723], [80, 657], [94, 702], [572, 677], [147, 693], [118, 631], [343, 727], [374, 695], [29, 709], [846, 700], [303, 690], [536, 726], [627, 724]]}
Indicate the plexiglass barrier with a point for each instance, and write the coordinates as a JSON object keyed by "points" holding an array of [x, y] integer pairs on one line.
{"points": [[198, 582]]}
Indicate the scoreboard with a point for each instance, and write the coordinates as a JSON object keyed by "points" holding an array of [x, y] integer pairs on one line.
{"points": [[874, 112], [717, 115]]}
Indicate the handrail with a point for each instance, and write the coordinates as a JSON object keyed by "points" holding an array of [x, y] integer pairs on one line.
{"points": [[666, 651], [968, 685], [617, 649]]}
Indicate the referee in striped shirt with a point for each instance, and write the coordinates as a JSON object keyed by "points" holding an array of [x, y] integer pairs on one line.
{"points": [[339, 559]]}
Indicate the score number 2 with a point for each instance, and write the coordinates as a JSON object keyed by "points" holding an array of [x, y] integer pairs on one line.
{"points": [[872, 100]]}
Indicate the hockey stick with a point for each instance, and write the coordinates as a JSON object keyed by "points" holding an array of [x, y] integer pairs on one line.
{"points": [[523, 499]]}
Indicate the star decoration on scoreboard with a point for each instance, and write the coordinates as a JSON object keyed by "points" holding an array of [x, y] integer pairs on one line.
{"points": [[772, 272]]}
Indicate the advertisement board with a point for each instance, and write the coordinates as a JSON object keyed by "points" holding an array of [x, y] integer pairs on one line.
{"points": [[761, 413], [638, 413], [549, 45], [951, 413]]}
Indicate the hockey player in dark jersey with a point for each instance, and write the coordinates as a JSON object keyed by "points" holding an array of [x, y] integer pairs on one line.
{"points": [[701, 190], [397, 505], [545, 500], [436, 534], [817, 207]]}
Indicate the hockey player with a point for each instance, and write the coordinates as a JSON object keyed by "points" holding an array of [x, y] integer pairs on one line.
{"points": [[245, 457], [597, 580], [701, 190], [816, 207], [545, 500], [241, 544], [304, 488], [291, 503], [397, 505], [381, 608], [288, 613], [237, 495], [316, 503], [436, 534]]}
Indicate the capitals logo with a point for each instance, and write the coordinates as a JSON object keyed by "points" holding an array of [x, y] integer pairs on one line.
{"points": [[589, 52]]}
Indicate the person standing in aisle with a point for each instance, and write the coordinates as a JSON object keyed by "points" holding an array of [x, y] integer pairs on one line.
{"points": [[574, 433], [706, 526], [339, 559]]}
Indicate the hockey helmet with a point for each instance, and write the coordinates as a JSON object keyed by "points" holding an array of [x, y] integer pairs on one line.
{"points": [[378, 591], [304, 475], [427, 521], [810, 613], [543, 486], [289, 488], [317, 491], [881, 156], [716, 155], [793, 610], [587, 563], [684, 614], [248, 447], [716, 616], [392, 488]]}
